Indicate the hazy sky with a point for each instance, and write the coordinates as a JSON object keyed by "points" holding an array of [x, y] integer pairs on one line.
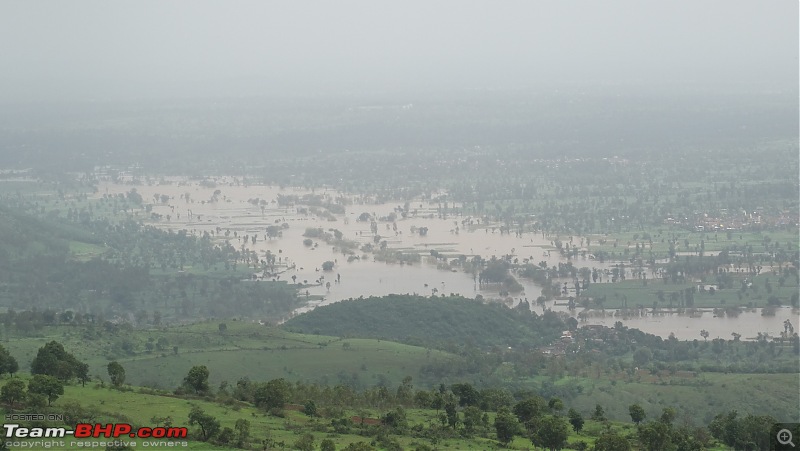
{"points": [[128, 49]]}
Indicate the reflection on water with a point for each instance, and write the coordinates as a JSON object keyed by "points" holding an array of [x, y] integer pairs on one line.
{"points": [[234, 209]]}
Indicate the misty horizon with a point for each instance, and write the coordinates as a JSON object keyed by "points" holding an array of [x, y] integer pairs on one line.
{"points": [[98, 51]]}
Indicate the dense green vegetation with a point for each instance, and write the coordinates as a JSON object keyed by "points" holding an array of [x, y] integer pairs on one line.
{"points": [[443, 322], [277, 413], [597, 363], [99, 268]]}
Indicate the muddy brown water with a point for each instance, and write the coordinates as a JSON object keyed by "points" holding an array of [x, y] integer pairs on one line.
{"points": [[232, 212]]}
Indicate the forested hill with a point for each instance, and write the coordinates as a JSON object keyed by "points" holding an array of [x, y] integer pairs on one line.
{"points": [[90, 265], [442, 322]]}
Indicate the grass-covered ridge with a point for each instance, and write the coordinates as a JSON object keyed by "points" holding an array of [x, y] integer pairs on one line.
{"points": [[161, 357], [440, 321]]}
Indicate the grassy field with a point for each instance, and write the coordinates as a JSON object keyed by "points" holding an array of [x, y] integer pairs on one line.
{"points": [[243, 349], [85, 251], [366, 363]]}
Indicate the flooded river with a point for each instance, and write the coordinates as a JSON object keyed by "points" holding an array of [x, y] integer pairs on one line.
{"points": [[239, 210]]}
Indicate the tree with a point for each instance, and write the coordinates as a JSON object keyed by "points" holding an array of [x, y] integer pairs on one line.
{"points": [[396, 419], [742, 432], [117, 373], [637, 413], [47, 386], [599, 414], [725, 428], [611, 441], [451, 412], [575, 419], [690, 439], [506, 426], [655, 436], [209, 426], [242, 428], [529, 409], [667, 415], [642, 356], [405, 392], [82, 372], [327, 445], [494, 398], [555, 405], [310, 408], [53, 360], [327, 266], [274, 393], [472, 419], [225, 436], [197, 379], [274, 231], [36, 400], [552, 433], [304, 443], [12, 391], [466, 393], [8, 364]]}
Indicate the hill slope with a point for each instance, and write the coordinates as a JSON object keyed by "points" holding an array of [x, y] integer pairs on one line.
{"points": [[244, 349]]}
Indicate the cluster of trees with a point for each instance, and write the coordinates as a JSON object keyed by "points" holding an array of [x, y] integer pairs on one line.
{"points": [[53, 360], [52, 368], [40, 388], [718, 354], [464, 411], [749, 432]]}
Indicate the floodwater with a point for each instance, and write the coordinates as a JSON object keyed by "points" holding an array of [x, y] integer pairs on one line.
{"points": [[447, 234]]}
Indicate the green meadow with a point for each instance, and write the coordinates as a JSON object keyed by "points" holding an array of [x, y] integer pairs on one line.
{"points": [[243, 349]]}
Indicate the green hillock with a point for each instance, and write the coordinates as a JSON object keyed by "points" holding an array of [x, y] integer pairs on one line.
{"points": [[443, 322]]}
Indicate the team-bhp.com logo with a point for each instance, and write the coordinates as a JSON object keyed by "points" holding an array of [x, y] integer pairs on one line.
{"points": [[88, 430]]}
